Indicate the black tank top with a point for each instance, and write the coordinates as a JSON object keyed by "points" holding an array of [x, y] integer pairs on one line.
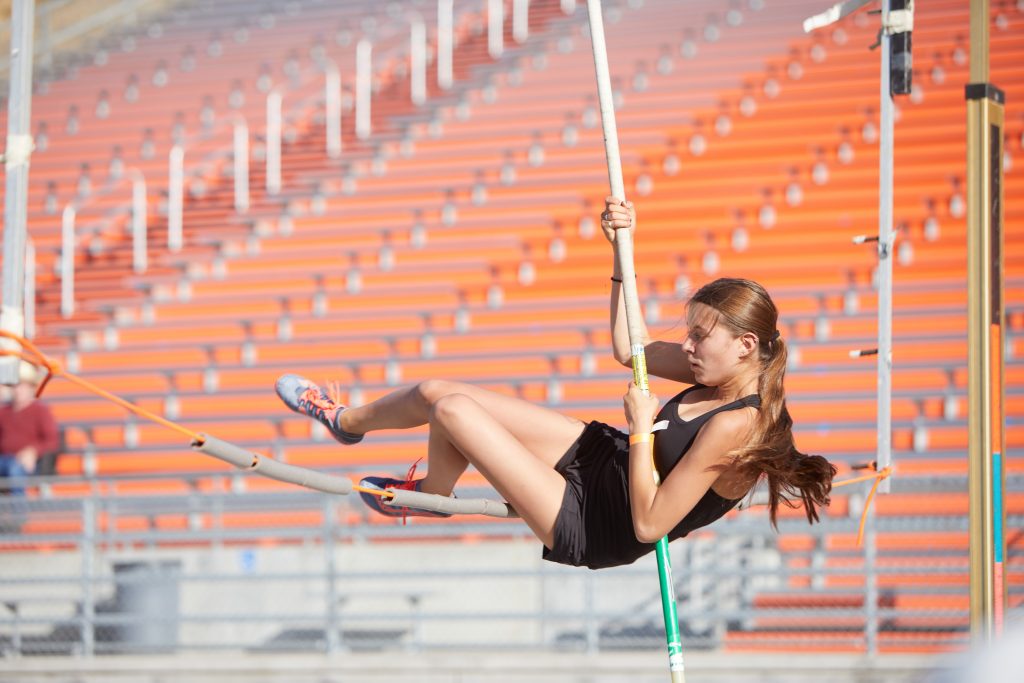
{"points": [[673, 438]]}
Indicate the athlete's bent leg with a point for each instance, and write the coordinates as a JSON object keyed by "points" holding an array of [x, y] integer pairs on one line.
{"points": [[545, 433], [525, 480]]}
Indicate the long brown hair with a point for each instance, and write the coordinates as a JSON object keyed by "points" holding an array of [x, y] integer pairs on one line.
{"points": [[744, 306]]}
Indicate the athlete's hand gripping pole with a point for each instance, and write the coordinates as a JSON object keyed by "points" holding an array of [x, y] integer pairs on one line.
{"points": [[624, 252]]}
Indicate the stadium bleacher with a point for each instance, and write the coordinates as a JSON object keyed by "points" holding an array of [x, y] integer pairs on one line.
{"points": [[459, 242]]}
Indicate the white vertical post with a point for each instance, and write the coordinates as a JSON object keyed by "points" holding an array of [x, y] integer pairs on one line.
{"points": [[495, 28], [885, 253], [520, 20], [16, 161], [332, 109], [445, 43], [418, 62], [364, 87], [30, 289], [67, 262], [176, 199], [273, 155], [241, 165], [139, 216]]}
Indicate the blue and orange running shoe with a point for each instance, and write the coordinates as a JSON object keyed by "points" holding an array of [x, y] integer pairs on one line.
{"points": [[306, 398], [407, 484]]}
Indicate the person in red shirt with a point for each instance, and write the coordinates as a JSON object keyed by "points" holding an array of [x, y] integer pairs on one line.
{"points": [[27, 431]]}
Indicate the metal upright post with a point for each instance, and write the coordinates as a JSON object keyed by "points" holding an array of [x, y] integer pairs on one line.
{"points": [[871, 584], [885, 252], [30, 289], [418, 62], [985, 321], [16, 156], [364, 88], [87, 626], [175, 198], [273, 143], [333, 624], [241, 165], [67, 262], [139, 216], [520, 20], [445, 43], [495, 28], [332, 109]]}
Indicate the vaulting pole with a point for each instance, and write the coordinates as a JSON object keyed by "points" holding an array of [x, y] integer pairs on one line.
{"points": [[634, 321], [985, 393]]}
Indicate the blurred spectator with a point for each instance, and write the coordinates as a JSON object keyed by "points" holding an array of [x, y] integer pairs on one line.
{"points": [[28, 431]]}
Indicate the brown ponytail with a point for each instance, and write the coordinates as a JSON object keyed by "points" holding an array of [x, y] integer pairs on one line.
{"points": [[744, 306]]}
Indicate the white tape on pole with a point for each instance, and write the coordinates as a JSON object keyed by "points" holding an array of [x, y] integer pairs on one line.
{"points": [[623, 240]]}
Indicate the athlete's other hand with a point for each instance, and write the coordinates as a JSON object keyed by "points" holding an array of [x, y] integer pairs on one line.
{"points": [[617, 214], [640, 410]]}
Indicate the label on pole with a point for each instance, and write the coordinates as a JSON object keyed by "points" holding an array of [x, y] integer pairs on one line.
{"points": [[639, 367], [675, 659]]}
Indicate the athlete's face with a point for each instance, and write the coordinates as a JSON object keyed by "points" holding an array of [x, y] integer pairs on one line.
{"points": [[715, 354]]}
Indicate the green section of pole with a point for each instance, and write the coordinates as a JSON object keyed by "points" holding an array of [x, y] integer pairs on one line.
{"points": [[634, 322], [668, 609]]}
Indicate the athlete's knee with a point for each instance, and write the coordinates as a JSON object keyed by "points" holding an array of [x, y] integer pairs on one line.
{"points": [[431, 391], [450, 408]]}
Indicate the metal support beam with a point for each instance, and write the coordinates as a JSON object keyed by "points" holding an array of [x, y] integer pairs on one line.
{"points": [[332, 109], [241, 165], [495, 28], [139, 216], [445, 43], [30, 289], [175, 198], [273, 143], [885, 255], [67, 262], [418, 62], [985, 324], [364, 88], [16, 156]]}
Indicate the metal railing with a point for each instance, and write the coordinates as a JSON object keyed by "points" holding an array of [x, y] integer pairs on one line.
{"points": [[129, 569]]}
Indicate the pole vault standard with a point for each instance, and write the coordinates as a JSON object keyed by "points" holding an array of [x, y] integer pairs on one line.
{"points": [[624, 252], [985, 336]]}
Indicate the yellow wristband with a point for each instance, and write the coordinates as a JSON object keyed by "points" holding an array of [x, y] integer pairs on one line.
{"points": [[643, 437]]}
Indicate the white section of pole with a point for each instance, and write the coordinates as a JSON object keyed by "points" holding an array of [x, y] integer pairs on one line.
{"points": [[176, 198], [241, 165], [520, 20], [623, 241], [30, 289], [445, 43], [139, 215], [418, 62], [67, 262], [332, 109], [886, 241], [273, 143], [364, 87], [495, 28]]}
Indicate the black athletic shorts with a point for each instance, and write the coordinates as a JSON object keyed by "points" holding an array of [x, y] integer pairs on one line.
{"points": [[594, 527]]}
